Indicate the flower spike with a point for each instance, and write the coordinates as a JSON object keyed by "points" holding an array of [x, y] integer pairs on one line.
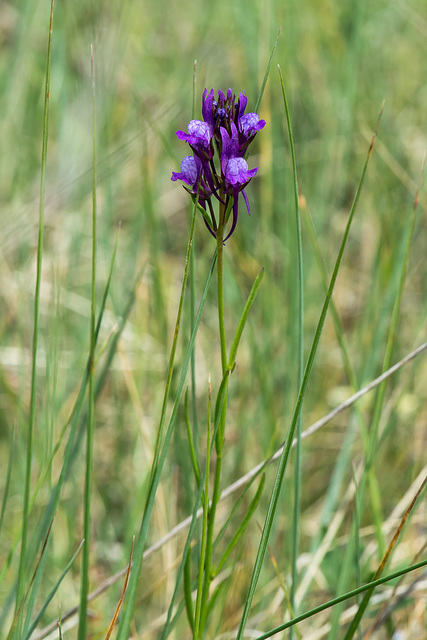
{"points": [[220, 140]]}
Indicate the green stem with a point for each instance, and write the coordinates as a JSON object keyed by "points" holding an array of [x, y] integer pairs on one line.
{"points": [[220, 282], [207, 566]]}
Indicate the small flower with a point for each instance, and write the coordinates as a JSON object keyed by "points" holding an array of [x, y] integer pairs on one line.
{"points": [[190, 171], [237, 172], [250, 123], [198, 135]]}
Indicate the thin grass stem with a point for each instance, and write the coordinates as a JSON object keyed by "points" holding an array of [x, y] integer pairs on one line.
{"points": [[27, 483], [297, 470], [90, 429]]}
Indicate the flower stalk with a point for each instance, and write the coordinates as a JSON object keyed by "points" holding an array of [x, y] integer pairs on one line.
{"points": [[217, 172]]}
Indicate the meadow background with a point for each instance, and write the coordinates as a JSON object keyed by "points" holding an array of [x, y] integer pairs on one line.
{"points": [[340, 60]]}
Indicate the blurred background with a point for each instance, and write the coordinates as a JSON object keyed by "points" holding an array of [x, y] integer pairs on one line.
{"points": [[339, 60]]}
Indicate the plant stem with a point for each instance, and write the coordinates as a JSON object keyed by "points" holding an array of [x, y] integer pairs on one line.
{"points": [[206, 567], [220, 283]]}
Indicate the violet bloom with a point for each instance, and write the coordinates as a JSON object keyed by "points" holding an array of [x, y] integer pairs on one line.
{"points": [[190, 171], [218, 168], [198, 135], [250, 123]]}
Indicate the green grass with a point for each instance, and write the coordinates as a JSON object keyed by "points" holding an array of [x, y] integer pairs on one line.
{"points": [[343, 496]]}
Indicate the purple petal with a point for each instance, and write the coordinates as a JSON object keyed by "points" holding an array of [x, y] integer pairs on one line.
{"points": [[235, 212], [230, 146], [243, 101], [226, 146], [245, 198], [207, 108]]}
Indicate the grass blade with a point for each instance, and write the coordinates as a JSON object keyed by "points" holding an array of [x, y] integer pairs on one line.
{"points": [[51, 594], [119, 606], [90, 429], [251, 298], [27, 483], [267, 71], [8, 474], [18, 613], [242, 527], [297, 472], [369, 477]]}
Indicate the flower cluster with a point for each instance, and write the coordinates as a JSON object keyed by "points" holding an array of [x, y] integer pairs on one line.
{"points": [[225, 133]]}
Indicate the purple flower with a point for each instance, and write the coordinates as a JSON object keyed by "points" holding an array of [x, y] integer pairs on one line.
{"points": [[219, 142], [190, 171], [237, 172], [250, 123], [198, 136]]}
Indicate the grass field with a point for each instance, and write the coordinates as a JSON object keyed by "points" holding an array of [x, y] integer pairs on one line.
{"points": [[82, 454]]}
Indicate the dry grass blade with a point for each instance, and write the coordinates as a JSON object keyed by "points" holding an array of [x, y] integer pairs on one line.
{"points": [[395, 597], [119, 606]]}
